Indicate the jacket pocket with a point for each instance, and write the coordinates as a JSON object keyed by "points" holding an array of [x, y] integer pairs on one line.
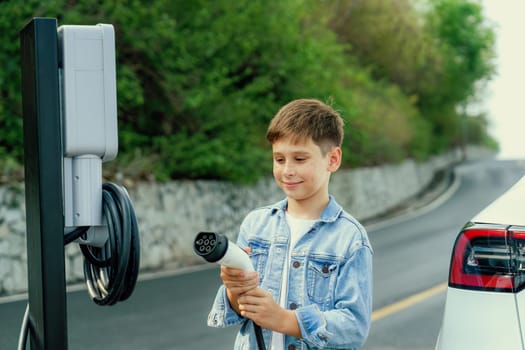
{"points": [[321, 278], [259, 255]]}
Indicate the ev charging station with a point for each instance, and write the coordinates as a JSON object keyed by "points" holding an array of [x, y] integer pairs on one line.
{"points": [[70, 128]]}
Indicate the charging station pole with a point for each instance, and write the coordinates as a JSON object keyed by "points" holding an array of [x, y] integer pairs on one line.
{"points": [[43, 185]]}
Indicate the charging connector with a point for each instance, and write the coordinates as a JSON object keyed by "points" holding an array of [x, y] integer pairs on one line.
{"points": [[215, 247]]}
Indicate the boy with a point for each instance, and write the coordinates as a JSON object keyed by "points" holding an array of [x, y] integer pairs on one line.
{"points": [[312, 288]]}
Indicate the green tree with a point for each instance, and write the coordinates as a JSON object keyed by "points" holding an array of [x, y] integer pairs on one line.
{"points": [[388, 37], [466, 44]]}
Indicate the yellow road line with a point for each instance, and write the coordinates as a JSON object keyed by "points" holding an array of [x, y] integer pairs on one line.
{"points": [[406, 303]]}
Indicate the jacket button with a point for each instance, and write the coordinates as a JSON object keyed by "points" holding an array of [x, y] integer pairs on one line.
{"points": [[292, 347], [293, 306], [296, 264], [325, 269]]}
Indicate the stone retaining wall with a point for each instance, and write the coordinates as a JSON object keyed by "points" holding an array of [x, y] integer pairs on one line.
{"points": [[171, 214]]}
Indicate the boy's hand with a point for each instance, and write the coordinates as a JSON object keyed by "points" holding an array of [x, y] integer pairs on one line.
{"points": [[259, 306], [238, 281]]}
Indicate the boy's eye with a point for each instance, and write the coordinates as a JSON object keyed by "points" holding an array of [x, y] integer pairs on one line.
{"points": [[279, 160], [300, 159]]}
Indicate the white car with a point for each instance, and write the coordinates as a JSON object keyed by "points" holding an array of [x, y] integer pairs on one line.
{"points": [[485, 300]]}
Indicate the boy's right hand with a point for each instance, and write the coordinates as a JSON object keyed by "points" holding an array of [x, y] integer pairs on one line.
{"points": [[237, 282]]}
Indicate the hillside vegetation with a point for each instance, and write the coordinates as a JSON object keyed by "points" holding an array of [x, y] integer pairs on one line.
{"points": [[198, 81]]}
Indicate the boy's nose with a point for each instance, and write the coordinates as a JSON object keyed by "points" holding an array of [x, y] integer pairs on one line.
{"points": [[289, 169]]}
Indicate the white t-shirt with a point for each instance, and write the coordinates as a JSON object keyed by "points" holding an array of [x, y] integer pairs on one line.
{"points": [[298, 227]]}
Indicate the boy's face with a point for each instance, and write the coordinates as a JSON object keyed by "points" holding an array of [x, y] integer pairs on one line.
{"points": [[301, 170]]}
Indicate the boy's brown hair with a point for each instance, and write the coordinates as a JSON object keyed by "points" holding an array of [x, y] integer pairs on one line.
{"points": [[304, 118]]}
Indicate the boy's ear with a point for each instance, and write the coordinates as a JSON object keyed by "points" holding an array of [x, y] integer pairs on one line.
{"points": [[335, 156]]}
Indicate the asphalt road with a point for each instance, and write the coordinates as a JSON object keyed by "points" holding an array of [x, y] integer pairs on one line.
{"points": [[411, 258]]}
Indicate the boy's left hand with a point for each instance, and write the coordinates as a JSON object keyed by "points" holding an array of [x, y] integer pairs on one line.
{"points": [[259, 306]]}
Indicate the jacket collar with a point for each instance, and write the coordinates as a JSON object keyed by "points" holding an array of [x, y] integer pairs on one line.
{"points": [[330, 213]]}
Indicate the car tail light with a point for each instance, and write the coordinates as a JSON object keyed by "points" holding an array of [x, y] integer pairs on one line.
{"points": [[489, 257]]}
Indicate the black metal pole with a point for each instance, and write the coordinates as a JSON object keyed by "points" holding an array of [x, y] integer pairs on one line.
{"points": [[43, 185]]}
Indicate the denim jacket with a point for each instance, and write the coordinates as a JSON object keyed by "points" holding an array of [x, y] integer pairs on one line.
{"points": [[329, 283]]}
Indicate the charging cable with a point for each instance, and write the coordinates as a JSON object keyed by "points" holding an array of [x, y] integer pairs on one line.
{"points": [[215, 247], [111, 271]]}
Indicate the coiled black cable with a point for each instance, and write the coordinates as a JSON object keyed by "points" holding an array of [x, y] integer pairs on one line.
{"points": [[111, 271]]}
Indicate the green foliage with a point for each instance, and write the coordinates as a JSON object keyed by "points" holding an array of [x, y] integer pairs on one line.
{"points": [[475, 132], [434, 52], [14, 15], [386, 126], [466, 45], [11, 145], [388, 37], [198, 81]]}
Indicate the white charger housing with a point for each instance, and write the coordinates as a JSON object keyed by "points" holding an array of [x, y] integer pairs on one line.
{"points": [[89, 90], [89, 117]]}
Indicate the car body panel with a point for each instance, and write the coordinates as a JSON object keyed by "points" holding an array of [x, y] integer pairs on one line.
{"points": [[509, 208], [520, 305], [469, 315]]}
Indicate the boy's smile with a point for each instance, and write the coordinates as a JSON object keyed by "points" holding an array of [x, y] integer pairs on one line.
{"points": [[291, 185], [303, 173]]}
